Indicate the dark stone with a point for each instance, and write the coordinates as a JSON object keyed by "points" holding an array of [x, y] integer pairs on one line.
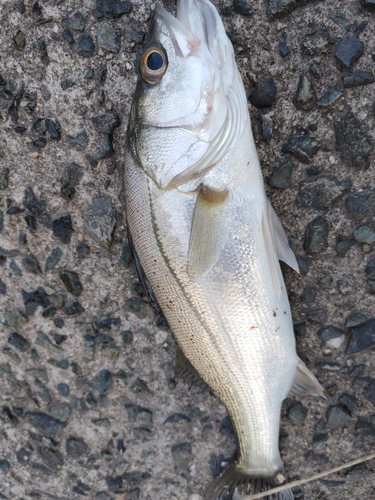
{"points": [[75, 447], [75, 22], [365, 233], [343, 245], [108, 322], [92, 161], [301, 146], [14, 267], [316, 234], [45, 424], [85, 46], [138, 413], [79, 404], [63, 389], [114, 482], [281, 8], [305, 97], [4, 178], [140, 387], [137, 306], [108, 38], [69, 37], [83, 249], [34, 299], [355, 319], [321, 191], [142, 433], [15, 104], [102, 495], [107, 122], [297, 413], [226, 426], [177, 418], [308, 294], [15, 211], [4, 465], [3, 291], [369, 392], [79, 141], [300, 328], [102, 74], [51, 457], [70, 178], [54, 258], [102, 381], [338, 415], [280, 178], [348, 400], [106, 150], [362, 337], [132, 33], [358, 78], [369, 5], [361, 206], [19, 342], [37, 208], [348, 51], [317, 315], [317, 43], [73, 309], [59, 323], [71, 281], [264, 94], [283, 49], [329, 332], [57, 300], [100, 219], [62, 228], [19, 41], [352, 140], [81, 488], [24, 453], [111, 8], [181, 454], [31, 223], [39, 142], [242, 7], [31, 264], [127, 337], [48, 126], [66, 84]]}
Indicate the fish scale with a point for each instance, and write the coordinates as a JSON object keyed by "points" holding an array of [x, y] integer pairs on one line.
{"points": [[208, 239]]}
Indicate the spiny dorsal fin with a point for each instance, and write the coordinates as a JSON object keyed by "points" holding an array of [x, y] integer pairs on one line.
{"points": [[304, 382], [185, 370], [209, 230]]}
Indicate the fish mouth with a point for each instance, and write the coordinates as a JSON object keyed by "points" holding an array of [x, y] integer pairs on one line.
{"points": [[197, 23]]}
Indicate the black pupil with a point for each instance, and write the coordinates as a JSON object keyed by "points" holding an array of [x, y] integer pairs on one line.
{"points": [[155, 61]]}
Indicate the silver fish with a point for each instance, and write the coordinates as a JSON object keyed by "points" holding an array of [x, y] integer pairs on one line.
{"points": [[207, 238]]}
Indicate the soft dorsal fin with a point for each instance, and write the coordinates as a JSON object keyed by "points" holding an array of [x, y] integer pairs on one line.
{"points": [[277, 246], [209, 230], [305, 382]]}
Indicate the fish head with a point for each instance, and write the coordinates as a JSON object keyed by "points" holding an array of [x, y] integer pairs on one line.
{"points": [[181, 112]]}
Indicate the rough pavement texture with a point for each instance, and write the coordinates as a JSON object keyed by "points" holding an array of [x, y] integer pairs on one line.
{"points": [[89, 405]]}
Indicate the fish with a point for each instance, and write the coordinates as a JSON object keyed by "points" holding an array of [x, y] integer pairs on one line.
{"points": [[207, 241]]}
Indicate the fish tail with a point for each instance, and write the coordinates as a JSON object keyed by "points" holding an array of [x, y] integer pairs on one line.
{"points": [[233, 483]]}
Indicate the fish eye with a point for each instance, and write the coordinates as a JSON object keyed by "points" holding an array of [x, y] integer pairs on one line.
{"points": [[153, 65]]}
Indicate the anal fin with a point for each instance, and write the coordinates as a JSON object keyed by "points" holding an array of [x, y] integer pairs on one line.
{"points": [[209, 230], [305, 382], [185, 370]]}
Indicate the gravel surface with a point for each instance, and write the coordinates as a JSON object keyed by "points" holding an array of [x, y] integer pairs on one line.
{"points": [[89, 403]]}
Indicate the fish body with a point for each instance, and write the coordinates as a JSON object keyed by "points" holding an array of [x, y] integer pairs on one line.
{"points": [[207, 237]]}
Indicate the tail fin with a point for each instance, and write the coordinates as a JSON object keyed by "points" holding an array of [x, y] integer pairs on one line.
{"points": [[233, 484]]}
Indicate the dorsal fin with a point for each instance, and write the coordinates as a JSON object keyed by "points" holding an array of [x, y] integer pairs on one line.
{"points": [[209, 230], [305, 382]]}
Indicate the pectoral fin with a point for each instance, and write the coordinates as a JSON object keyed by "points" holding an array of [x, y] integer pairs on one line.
{"points": [[209, 230], [305, 382]]}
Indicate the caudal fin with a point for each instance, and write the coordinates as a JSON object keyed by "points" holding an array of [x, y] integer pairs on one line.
{"points": [[233, 484]]}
